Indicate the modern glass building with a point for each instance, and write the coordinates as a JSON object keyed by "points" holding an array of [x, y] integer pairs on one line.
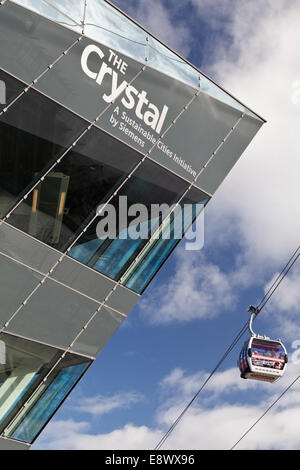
{"points": [[92, 107]]}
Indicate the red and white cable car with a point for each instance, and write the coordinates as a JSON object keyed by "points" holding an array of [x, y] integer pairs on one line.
{"points": [[262, 358]]}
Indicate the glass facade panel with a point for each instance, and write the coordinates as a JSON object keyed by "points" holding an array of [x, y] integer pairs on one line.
{"points": [[53, 315], [158, 105], [19, 246], [34, 132], [197, 133], [59, 206], [213, 90], [164, 241], [47, 400], [29, 42], [98, 332], [108, 26], [16, 283], [207, 86], [164, 60], [227, 156], [23, 366], [65, 12], [9, 88], [88, 78], [12, 444], [84, 280], [112, 254], [123, 300]]}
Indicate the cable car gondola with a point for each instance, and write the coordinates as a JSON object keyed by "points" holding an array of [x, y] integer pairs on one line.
{"points": [[262, 358]]}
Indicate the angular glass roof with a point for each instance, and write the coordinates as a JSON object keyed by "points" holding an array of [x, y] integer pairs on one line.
{"points": [[105, 23]]}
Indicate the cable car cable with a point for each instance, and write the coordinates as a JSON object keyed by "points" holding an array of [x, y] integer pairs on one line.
{"points": [[279, 279], [229, 349], [265, 412], [261, 305], [263, 302]]}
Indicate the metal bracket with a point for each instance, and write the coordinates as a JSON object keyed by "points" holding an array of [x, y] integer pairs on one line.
{"points": [[254, 311]]}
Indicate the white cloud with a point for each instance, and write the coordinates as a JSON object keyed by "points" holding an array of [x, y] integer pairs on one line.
{"points": [[216, 426], [198, 289], [161, 21], [72, 435], [254, 55], [221, 413], [225, 387], [283, 308], [257, 205], [259, 65], [262, 191], [100, 405], [287, 298]]}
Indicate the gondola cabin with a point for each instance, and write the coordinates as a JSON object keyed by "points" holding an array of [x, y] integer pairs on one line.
{"points": [[262, 359]]}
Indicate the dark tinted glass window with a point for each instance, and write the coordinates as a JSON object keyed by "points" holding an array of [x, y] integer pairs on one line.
{"points": [[59, 207], [166, 239], [150, 185], [9, 88], [34, 132]]}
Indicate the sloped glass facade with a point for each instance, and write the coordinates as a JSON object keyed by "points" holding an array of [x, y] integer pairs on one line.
{"points": [[25, 378], [93, 110]]}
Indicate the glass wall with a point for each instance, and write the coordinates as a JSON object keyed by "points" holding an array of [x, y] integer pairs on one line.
{"points": [[23, 366], [107, 25], [131, 212], [34, 132], [58, 208], [164, 241]]}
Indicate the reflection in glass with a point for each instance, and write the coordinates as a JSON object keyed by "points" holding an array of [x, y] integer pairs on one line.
{"points": [[149, 185], [106, 24], [23, 366], [57, 208], [164, 60], [213, 90], [69, 8], [65, 12], [9, 88], [164, 241], [110, 27], [34, 132]]}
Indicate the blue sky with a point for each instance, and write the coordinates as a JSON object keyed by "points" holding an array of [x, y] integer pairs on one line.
{"points": [[193, 309]]}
